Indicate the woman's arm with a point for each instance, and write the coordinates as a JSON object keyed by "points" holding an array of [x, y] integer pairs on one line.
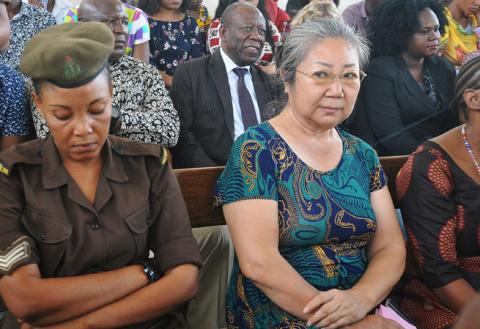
{"points": [[46, 301], [386, 255], [456, 294], [253, 226], [141, 51], [151, 302]]}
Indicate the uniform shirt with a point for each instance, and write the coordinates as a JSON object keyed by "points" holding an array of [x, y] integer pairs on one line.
{"points": [[29, 21], [138, 28], [15, 118], [46, 219], [139, 93]]}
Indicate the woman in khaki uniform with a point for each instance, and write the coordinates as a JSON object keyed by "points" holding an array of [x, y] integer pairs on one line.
{"points": [[80, 210]]}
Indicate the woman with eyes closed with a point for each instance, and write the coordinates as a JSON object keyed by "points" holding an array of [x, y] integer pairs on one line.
{"points": [[405, 99], [81, 210], [307, 205]]}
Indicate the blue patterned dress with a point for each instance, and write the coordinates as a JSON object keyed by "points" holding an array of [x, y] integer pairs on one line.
{"points": [[325, 218], [172, 43]]}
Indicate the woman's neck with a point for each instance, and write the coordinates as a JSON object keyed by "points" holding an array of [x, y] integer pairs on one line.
{"points": [[288, 122], [413, 62], [457, 14], [473, 135], [168, 15]]}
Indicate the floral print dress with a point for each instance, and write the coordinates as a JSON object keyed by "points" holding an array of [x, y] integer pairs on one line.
{"points": [[172, 43]]}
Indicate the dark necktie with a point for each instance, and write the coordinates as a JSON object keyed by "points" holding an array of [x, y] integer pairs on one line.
{"points": [[249, 116]]}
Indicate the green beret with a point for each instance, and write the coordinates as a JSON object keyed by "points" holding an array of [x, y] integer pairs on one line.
{"points": [[68, 55]]}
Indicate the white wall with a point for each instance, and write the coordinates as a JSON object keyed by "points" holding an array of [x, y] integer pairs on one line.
{"points": [[212, 4]]}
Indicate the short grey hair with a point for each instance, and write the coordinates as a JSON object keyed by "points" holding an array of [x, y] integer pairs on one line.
{"points": [[304, 36]]}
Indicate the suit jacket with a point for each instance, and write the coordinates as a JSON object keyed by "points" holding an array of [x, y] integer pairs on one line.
{"points": [[200, 93], [393, 113]]}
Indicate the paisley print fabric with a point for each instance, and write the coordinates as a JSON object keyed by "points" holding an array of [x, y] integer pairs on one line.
{"points": [[325, 218]]}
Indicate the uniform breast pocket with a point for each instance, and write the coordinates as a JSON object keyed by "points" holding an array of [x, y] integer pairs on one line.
{"points": [[52, 236], [138, 223], [45, 228]]}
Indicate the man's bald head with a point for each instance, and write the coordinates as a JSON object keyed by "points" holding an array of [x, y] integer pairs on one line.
{"points": [[112, 14], [91, 9], [236, 9]]}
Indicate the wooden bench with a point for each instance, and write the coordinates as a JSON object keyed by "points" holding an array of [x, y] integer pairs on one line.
{"points": [[197, 186]]}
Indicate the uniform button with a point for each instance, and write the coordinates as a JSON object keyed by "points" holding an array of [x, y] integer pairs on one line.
{"points": [[149, 221], [94, 226], [43, 236]]}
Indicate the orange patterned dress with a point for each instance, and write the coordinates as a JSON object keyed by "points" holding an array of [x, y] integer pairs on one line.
{"points": [[440, 205]]}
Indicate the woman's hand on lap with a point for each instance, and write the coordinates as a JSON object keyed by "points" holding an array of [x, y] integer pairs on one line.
{"points": [[336, 308]]}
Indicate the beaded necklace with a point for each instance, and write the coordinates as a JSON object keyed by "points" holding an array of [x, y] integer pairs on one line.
{"points": [[468, 146]]}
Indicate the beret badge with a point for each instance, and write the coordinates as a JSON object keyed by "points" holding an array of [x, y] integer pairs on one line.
{"points": [[71, 70]]}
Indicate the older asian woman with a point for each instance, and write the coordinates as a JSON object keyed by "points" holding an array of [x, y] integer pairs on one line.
{"points": [[306, 204], [81, 209], [438, 190]]}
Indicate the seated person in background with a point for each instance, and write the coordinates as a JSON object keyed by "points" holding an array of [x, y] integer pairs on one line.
{"points": [[316, 9], [312, 234], [215, 107], [25, 21], [175, 37], [15, 119], [273, 38], [294, 6], [147, 112], [82, 261], [58, 8], [405, 98], [4, 25], [357, 15], [138, 31], [461, 36], [278, 16], [438, 189], [200, 12]]}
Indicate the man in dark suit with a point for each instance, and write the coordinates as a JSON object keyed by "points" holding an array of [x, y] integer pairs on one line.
{"points": [[205, 91], [217, 97]]}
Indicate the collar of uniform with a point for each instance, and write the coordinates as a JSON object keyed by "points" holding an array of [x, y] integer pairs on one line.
{"points": [[112, 162], [55, 175]]}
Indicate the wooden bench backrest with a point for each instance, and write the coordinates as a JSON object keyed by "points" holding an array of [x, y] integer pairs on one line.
{"points": [[197, 185]]}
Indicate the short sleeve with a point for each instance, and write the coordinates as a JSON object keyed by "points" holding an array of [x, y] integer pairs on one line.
{"points": [[17, 247], [170, 236], [141, 28], [71, 16], [369, 158], [378, 179], [424, 189], [249, 174]]}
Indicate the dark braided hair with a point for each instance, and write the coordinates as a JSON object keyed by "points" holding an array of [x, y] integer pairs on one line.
{"points": [[467, 78], [394, 22]]}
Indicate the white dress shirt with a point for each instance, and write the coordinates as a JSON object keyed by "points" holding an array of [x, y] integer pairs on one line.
{"points": [[232, 82]]}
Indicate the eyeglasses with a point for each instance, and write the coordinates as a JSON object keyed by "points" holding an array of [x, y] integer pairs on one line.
{"points": [[350, 78], [110, 22]]}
